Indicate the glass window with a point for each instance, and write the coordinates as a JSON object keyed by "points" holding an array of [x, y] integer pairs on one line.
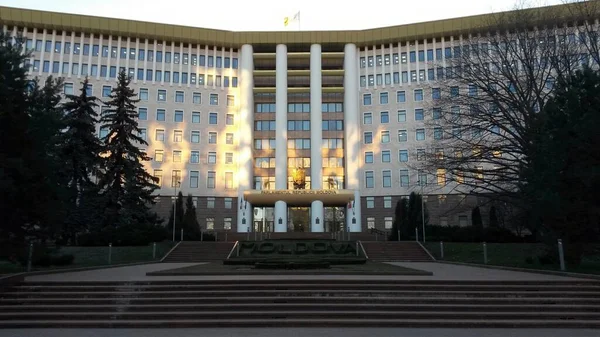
{"points": [[385, 117], [68, 88], [387, 202], [162, 95], [160, 135], [229, 119], [403, 156], [369, 179], [106, 91], [214, 99], [212, 157], [195, 117], [385, 137], [179, 97], [195, 137], [383, 98], [367, 118], [229, 138], [212, 138], [212, 118], [177, 136], [160, 114], [143, 94], [437, 133], [420, 134], [401, 116], [387, 178], [210, 183], [401, 96], [418, 95], [386, 156], [178, 116], [368, 157], [404, 178], [419, 114], [367, 99], [368, 137], [402, 136], [370, 202], [143, 113]]}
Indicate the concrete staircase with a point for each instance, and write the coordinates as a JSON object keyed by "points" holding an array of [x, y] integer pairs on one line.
{"points": [[196, 251], [395, 251], [302, 303]]}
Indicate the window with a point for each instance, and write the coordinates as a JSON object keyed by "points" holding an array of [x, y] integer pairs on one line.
{"points": [[436, 93], [228, 157], [103, 132], [385, 156], [179, 97], [367, 118], [368, 137], [402, 136], [227, 222], [367, 99], [370, 202], [210, 222], [194, 177], [420, 134], [176, 156], [388, 222], [158, 175], [160, 135], [68, 88], [419, 114], [212, 157], [143, 94], [437, 133], [404, 178], [383, 98], [229, 138], [369, 179], [214, 99], [229, 119], [230, 100], [420, 154], [454, 91], [401, 96], [195, 137], [143, 113], [401, 116], [162, 95], [368, 157], [441, 177], [160, 115], [228, 180], [385, 137], [212, 118], [176, 178], [196, 98], [178, 117], [210, 202], [370, 223], [385, 117], [210, 180], [437, 113], [228, 204], [195, 117], [195, 157], [422, 176], [177, 136], [403, 155], [387, 178], [418, 95], [212, 138], [106, 91], [89, 90], [387, 202]]}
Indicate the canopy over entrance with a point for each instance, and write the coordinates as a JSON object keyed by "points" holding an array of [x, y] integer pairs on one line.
{"points": [[299, 198]]}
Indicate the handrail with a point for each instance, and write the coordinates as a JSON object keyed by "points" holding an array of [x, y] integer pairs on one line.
{"points": [[363, 249], [170, 251], [378, 231], [426, 251], [232, 249]]}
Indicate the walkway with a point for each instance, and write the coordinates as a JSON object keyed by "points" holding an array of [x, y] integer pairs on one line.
{"points": [[441, 271]]}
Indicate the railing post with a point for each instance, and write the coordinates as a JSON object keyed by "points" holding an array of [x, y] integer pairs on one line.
{"points": [[110, 253], [154, 250], [561, 255], [248, 235], [442, 249], [30, 257], [485, 259], [348, 233], [376, 237], [416, 234], [356, 248], [216, 236], [226, 236], [201, 235], [181, 238], [398, 235]]}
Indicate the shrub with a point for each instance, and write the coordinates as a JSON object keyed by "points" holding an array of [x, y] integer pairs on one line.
{"points": [[129, 235], [472, 234]]}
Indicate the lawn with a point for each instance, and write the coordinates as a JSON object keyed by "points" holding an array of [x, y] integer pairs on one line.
{"points": [[97, 256], [509, 255]]}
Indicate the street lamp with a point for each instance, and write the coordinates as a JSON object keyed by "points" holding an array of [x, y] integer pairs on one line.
{"points": [[176, 184]]}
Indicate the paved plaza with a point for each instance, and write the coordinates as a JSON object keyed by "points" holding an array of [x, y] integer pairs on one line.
{"points": [[441, 271]]}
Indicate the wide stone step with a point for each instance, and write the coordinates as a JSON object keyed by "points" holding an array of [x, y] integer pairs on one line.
{"points": [[400, 308], [312, 322], [306, 292], [313, 314], [302, 286]]}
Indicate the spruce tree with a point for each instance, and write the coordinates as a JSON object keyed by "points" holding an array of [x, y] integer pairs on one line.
{"points": [[415, 216], [126, 186], [476, 220], [179, 221], [190, 225], [80, 150], [400, 221], [494, 217]]}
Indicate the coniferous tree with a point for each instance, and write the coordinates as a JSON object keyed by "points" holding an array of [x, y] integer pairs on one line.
{"points": [[400, 221], [476, 220], [494, 217], [190, 225], [80, 150], [180, 215], [415, 215], [125, 184], [16, 150]]}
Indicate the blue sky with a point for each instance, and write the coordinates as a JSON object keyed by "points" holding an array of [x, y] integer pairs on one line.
{"points": [[248, 15]]}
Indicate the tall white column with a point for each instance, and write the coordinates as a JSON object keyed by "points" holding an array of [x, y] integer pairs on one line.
{"points": [[316, 135], [352, 134], [246, 127], [281, 176]]}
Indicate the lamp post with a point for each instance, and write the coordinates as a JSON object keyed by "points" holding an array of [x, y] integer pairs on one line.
{"points": [[176, 184]]}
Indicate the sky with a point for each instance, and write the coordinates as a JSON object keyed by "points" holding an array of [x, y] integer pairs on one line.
{"points": [[268, 15]]}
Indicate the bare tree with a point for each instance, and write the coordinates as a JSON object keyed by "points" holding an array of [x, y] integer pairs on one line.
{"points": [[492, 84]]}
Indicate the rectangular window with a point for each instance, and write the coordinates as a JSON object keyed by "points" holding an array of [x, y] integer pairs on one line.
{"points": [[402, 136], [68, 88], [143, 134], [195, 117], [228, 157], [404, 178], [370, 202], [177, 136], [210, 179], [159, 156], [387, 178], [385, 117], [194, 177], [367, 118], [160, 135], [212, 157], [388, 221], [212, 138], [158, 175], [195, 157], [228, 204], [401, 116], [160, 115], [401, 96], [176, 178], [368, 157], [370, 223], [214, 99], [419, 114], [437, 133], [368, 137], [367, 99], [179, 97], [143, 94], [176, 156], [420, 134], [210, 222], [229, 138], [143, 113], [229, 119], [385, 137], [387, 202], [383, 98], [385, 156], [213, 118], [227, 223], [403, 156], [418, 95], [178, 117], [369, 179], [195, 137], [228, 180], [230, 100], [106, 91]]}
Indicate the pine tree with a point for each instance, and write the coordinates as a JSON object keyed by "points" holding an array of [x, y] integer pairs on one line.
{"points": [[190, 225], [494, 217], [80, 150], [125, 184], [415, 216], [180, 215], [476, 220], [400, 221]]}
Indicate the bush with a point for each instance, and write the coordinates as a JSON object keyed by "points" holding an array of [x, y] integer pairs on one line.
{"points": [[472, 234], [130, 235]]}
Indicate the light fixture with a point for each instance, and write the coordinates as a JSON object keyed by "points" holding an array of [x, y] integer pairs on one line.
{"points": [[318, 221], [280, 221]]}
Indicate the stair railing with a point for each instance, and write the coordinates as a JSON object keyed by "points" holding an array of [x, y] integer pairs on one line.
{"points": [[379, 232], [170, 251], [363, 249], [426, 251], [233, 249]]}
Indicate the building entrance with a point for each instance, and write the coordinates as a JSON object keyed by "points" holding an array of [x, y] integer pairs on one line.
{"points": [[299, 219], [263, 219], [335, 219]]}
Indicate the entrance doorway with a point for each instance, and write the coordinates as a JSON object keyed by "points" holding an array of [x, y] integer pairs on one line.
{"points": [[335, 219], [299, 219], [263, 219]]}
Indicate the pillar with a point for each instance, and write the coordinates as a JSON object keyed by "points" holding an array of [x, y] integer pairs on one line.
{"points": [[316, 136], [352, 135], [281, 110], [246, 124]]}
